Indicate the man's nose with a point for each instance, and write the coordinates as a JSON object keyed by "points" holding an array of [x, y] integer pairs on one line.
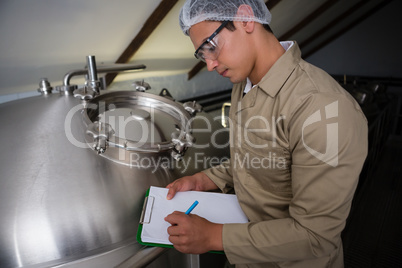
{"points": [[211, 64]]}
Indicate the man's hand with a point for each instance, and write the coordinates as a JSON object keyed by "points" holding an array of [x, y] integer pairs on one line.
{"points": [[192, 234], [197, 182]]}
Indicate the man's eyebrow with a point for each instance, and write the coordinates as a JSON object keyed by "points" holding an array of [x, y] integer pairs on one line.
{"points": [[204, 41]]}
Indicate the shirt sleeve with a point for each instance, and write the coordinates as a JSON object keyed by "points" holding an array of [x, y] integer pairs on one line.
{"points": [[221, 175], [328, 143]]}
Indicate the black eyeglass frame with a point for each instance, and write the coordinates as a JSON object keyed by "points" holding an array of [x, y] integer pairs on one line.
{"points": [[210, 38]]}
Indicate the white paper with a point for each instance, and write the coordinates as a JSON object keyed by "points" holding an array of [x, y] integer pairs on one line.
{"points": [[215, 207]]}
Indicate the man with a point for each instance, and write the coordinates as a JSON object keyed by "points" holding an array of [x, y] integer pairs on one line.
{"points": [[298, 143]]}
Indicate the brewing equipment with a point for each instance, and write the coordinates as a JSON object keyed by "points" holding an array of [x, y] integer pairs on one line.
{"points": [[75, 166]]}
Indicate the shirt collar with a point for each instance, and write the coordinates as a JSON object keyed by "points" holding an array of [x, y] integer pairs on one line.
{"points": [[292, 50], [287, 44]]}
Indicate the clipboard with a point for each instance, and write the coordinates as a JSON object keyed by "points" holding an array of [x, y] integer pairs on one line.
{"points": [[226, 209], [145, 218]]}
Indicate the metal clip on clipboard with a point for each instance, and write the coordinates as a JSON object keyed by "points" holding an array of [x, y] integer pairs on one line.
{"points": [[147, 210]]}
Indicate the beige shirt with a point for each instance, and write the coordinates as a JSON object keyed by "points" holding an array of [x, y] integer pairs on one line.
{"points": [[298, 144]]}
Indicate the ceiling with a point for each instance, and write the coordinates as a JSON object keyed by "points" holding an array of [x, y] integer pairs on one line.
{"points": [[47, 38]]}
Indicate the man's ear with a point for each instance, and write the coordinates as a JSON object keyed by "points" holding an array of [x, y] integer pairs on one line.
{"points": [[245, 14]]}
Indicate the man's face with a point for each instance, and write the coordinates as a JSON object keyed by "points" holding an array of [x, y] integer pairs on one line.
{"points": [[232, 61]]}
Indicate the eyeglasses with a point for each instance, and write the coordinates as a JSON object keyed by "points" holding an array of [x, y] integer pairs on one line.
{"points": [[210, 48]]}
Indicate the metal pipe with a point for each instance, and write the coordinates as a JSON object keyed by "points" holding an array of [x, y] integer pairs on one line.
{"points": [[144, 257], [115, 68], [92, 80], [92, 74]]}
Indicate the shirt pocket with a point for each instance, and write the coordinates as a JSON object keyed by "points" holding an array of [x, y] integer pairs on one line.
{"points": [[266, 168]]}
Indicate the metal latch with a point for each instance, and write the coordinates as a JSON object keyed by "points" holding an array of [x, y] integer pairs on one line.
{"points": [[92, 84], [192, 107], [85, 93], [141, 86], [181, 140], [100, 133]]}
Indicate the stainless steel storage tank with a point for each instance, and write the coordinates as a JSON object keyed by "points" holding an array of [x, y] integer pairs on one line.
{"points": [[73, 173]]}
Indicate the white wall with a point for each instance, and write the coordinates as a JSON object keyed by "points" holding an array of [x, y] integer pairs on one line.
{"points": [[48, 38]]}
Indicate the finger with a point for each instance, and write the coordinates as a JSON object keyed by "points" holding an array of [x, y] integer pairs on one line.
{"points": [[175, 240], [174, 230], [183, 244], [171, 193], [175, 218], [174, 187]]}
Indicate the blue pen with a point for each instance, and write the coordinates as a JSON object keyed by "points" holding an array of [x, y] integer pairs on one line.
{"points": [[192, 207]]}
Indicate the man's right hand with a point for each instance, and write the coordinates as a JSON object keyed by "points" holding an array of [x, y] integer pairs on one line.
{"points": [[197, 182]]}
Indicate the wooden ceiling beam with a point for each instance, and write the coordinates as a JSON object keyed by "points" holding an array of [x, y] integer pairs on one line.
{"points": [[348, 27], [149, 26], [200, 65], [196, 69]]}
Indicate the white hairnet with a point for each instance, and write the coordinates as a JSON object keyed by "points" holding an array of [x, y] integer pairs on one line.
{"points": [[195, 11]]}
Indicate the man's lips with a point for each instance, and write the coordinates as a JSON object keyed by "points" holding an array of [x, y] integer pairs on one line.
{"points": [[223, 73]]}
